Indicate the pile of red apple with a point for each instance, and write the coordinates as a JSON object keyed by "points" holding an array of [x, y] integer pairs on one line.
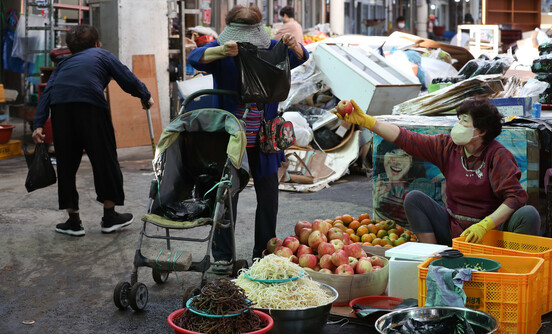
{"points": [[321, 247]]}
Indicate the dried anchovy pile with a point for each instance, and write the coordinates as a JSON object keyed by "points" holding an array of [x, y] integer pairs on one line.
{"points": [[221, 296]]}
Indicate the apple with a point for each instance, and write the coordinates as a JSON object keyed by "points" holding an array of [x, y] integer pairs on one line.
{"points": [[304, 249], [364, 266], [325, 248], [321, 225], [325, 271], [344, 107], [304, 235], [353, 262], [283, 251], [344, 269], [364, 253], [377, 261], [338, 244], [326, 262], [294, 259], [291, 243], [354, 250], [340, 257], [374, 268], [273, 244], [308, 261], [315, 238], [300, 225], [346, 238], [335, 233], [317, 268]]}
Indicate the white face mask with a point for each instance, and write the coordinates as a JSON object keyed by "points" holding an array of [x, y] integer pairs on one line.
{"points": [[462, 135], [401, 25]]}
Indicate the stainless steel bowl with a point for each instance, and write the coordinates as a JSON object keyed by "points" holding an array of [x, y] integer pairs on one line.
{"points": [[302, 320], [484, 322]]}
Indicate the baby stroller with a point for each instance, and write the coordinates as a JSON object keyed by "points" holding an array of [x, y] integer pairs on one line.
{"points": [[199, 166]]}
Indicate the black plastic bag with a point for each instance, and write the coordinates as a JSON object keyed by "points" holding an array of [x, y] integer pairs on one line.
{"points": [[263, 75], [326, 139], [187, 210], [41, 172], [450, 324]]}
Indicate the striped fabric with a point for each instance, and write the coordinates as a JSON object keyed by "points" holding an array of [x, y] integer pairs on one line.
{"points": [[252, 123]]}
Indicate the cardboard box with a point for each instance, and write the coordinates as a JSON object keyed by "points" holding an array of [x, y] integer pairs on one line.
{"points": [[350, 287], [514, 106]]}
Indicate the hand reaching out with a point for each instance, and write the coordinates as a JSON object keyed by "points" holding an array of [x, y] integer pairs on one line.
{"points": [[358, 116]]}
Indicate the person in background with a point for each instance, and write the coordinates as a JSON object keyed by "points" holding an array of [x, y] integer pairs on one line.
{"points": [[218, 59], [81, 120], [468, 19], [290, 25], [430, 24], [483, 191], [400, 26]]}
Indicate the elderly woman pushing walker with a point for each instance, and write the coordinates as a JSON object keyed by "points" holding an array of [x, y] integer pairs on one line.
{"points": [[483, 190]]}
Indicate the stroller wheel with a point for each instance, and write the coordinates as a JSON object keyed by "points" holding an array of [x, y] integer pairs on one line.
{"points": [[138, 296], [120, 295], [238, 265], [159, 277]]}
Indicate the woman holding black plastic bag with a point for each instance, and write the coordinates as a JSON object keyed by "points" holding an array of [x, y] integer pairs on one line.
{"points": [[218, 58]]}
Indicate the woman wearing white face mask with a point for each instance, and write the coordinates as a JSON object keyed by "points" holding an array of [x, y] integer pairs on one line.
{"points": [[483, 190]]}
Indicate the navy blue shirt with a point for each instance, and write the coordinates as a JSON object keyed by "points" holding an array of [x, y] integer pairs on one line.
{"points": [[225, 76], [83, 77]]}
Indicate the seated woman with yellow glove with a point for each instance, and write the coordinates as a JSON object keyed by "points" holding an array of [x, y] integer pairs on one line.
{"points": [[483, 191]]}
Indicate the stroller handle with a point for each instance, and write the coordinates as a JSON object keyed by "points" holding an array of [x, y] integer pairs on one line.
{"points": [[201, 92]]}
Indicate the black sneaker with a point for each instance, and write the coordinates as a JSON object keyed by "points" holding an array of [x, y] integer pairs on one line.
{"points": [[116, 221], [71, 227]]}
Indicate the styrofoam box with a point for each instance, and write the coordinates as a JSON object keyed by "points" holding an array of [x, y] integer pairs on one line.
{"points": [[403, 278], [403, 267]]}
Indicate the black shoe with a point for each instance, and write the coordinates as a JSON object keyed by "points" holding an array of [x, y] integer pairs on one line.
{"points": [[116, 221], [71, 227]]}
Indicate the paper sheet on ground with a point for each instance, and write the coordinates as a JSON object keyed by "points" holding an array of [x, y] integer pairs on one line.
{"points": [[338, 160]]}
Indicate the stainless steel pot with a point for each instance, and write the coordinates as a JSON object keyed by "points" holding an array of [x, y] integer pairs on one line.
{"points": [[302, 320], [485, 322]]}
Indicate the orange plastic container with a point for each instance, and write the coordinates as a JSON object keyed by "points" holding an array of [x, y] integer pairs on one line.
{"points": [[515, 244], [511, 295]]}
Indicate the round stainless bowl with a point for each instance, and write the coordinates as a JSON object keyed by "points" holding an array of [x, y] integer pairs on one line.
{"points": [[485, 322], [301, 320]]}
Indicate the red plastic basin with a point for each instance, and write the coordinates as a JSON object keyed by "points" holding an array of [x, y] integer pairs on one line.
{"points": [[5, 133], [377, 301], [178, 330]]}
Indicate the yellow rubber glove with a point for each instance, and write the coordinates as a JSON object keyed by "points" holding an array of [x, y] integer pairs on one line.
{"points": [[476, 232], [358, 116]]}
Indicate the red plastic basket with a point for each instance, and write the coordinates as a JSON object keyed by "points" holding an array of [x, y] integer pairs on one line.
{"points": [[179, 330]]}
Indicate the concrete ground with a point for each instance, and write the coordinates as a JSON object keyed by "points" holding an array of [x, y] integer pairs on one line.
{"points": [[63, 284], [53, 283]]}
